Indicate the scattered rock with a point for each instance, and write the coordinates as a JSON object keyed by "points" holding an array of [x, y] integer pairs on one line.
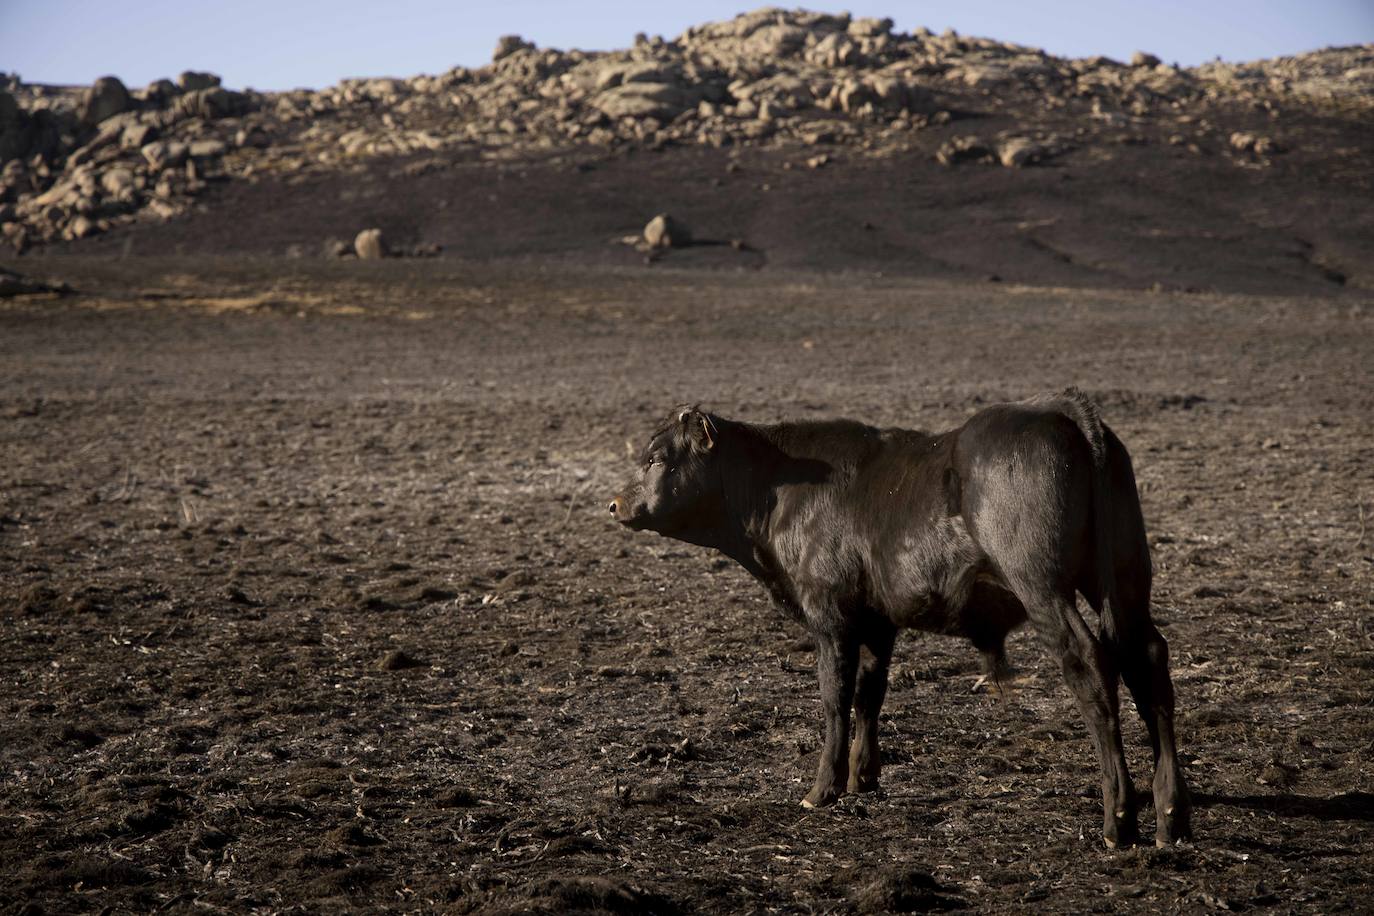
{"points": [[663, 231], [1142, 59], [1020, 151], [963, 149], [369, 245], [1245, 142]]}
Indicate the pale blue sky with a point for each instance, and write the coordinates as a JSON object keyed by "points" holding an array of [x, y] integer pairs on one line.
{"points": [[288, 43]]}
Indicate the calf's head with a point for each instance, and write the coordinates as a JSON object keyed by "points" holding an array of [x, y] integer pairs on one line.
{"points": [[677, 489]]}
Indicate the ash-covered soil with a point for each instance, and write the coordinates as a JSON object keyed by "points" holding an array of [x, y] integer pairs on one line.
{"points": [[309, 599]]}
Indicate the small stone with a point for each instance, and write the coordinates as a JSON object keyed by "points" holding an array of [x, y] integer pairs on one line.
{"points": [[663, 231], [963, 149], [1020, 151], [1142, 59], [369, 245]]}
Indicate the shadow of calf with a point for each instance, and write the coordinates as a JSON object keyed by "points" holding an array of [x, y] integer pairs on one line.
{"points": [[1348, 806]]}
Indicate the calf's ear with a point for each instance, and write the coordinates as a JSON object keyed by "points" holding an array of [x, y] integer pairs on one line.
{"points": [[700, 430], [703, 431]]}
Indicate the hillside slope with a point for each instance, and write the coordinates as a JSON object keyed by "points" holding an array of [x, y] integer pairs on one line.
{"points": [[807, 140]]}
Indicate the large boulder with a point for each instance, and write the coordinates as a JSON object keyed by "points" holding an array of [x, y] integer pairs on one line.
{"points": [[210, 104], [636, 71], [106, 98], [663, 101], [880, 93], [507, 45], [195, 80], [160, 92]]}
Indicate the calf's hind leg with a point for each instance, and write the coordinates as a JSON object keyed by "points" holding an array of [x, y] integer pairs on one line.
{"points": [[1093, 681], [1144, 663], [864, 760]]}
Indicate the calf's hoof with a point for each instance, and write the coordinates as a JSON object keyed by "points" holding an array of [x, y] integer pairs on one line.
{"points": [[860, 784], [1174, 824], [1120, 830], [820, 797]]}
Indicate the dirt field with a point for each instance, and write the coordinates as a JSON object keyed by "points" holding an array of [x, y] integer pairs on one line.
{"points": [[309, 599]]}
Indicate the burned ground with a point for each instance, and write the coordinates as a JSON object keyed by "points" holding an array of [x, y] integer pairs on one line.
{"points": [[309, 598]]}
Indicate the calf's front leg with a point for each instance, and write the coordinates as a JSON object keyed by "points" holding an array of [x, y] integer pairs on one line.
{"points": [[836, 663], [870, 689]]}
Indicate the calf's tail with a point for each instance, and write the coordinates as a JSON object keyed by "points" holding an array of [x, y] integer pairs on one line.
{"points": [[1114, 623]]}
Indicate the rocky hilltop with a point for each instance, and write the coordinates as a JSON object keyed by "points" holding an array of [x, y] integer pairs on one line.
{"points": [[820, 88]]}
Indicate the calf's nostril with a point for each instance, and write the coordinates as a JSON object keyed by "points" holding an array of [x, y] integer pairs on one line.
{"points": [[615, 504]]}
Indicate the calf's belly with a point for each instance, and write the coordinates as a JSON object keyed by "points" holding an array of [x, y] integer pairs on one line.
{"points": [[930, 577]]}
